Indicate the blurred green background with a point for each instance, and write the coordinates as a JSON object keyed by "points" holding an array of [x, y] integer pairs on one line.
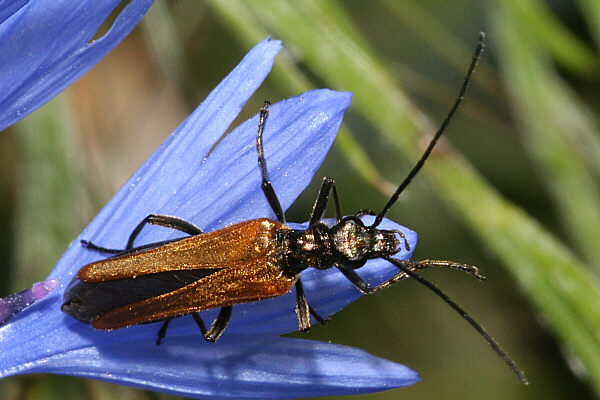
{"points": [[513, 188]]}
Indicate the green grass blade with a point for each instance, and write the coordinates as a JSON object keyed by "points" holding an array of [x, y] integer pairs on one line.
{"points": [[555, 125], [591, 12], [564, 46]]}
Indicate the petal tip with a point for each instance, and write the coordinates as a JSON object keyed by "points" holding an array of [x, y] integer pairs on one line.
{"points": [[271, 47]]}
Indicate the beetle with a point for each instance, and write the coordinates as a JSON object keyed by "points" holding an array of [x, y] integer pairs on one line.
{"points": [[249, 261]]}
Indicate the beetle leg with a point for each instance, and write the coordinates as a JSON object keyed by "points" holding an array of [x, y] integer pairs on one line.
{"points": [[365, 211], [199, 322], [412, 266], [358, 282], [152, 219], [266, 186], [162, 332], [91, 246], [320, 206], [304, 310], [321, 320], [166, 221], [163, 329], [363, 286], [218, 326]]}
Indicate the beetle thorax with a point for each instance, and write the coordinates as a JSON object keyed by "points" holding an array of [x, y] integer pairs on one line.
{"points": [[356, 243], [349, 243]]}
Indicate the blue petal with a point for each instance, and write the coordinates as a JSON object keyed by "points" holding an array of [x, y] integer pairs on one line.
{"points": [[14, 304], [235, 367], [9, 7], [213, 190], [45, 46]]}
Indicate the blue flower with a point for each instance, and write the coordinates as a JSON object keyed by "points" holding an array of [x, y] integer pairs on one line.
{"points": [[214, 189], [47, 45], [15, 303]]}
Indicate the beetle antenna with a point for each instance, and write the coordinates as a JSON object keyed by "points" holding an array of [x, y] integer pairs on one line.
{"points": [[402, 266], [419, 165]]}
